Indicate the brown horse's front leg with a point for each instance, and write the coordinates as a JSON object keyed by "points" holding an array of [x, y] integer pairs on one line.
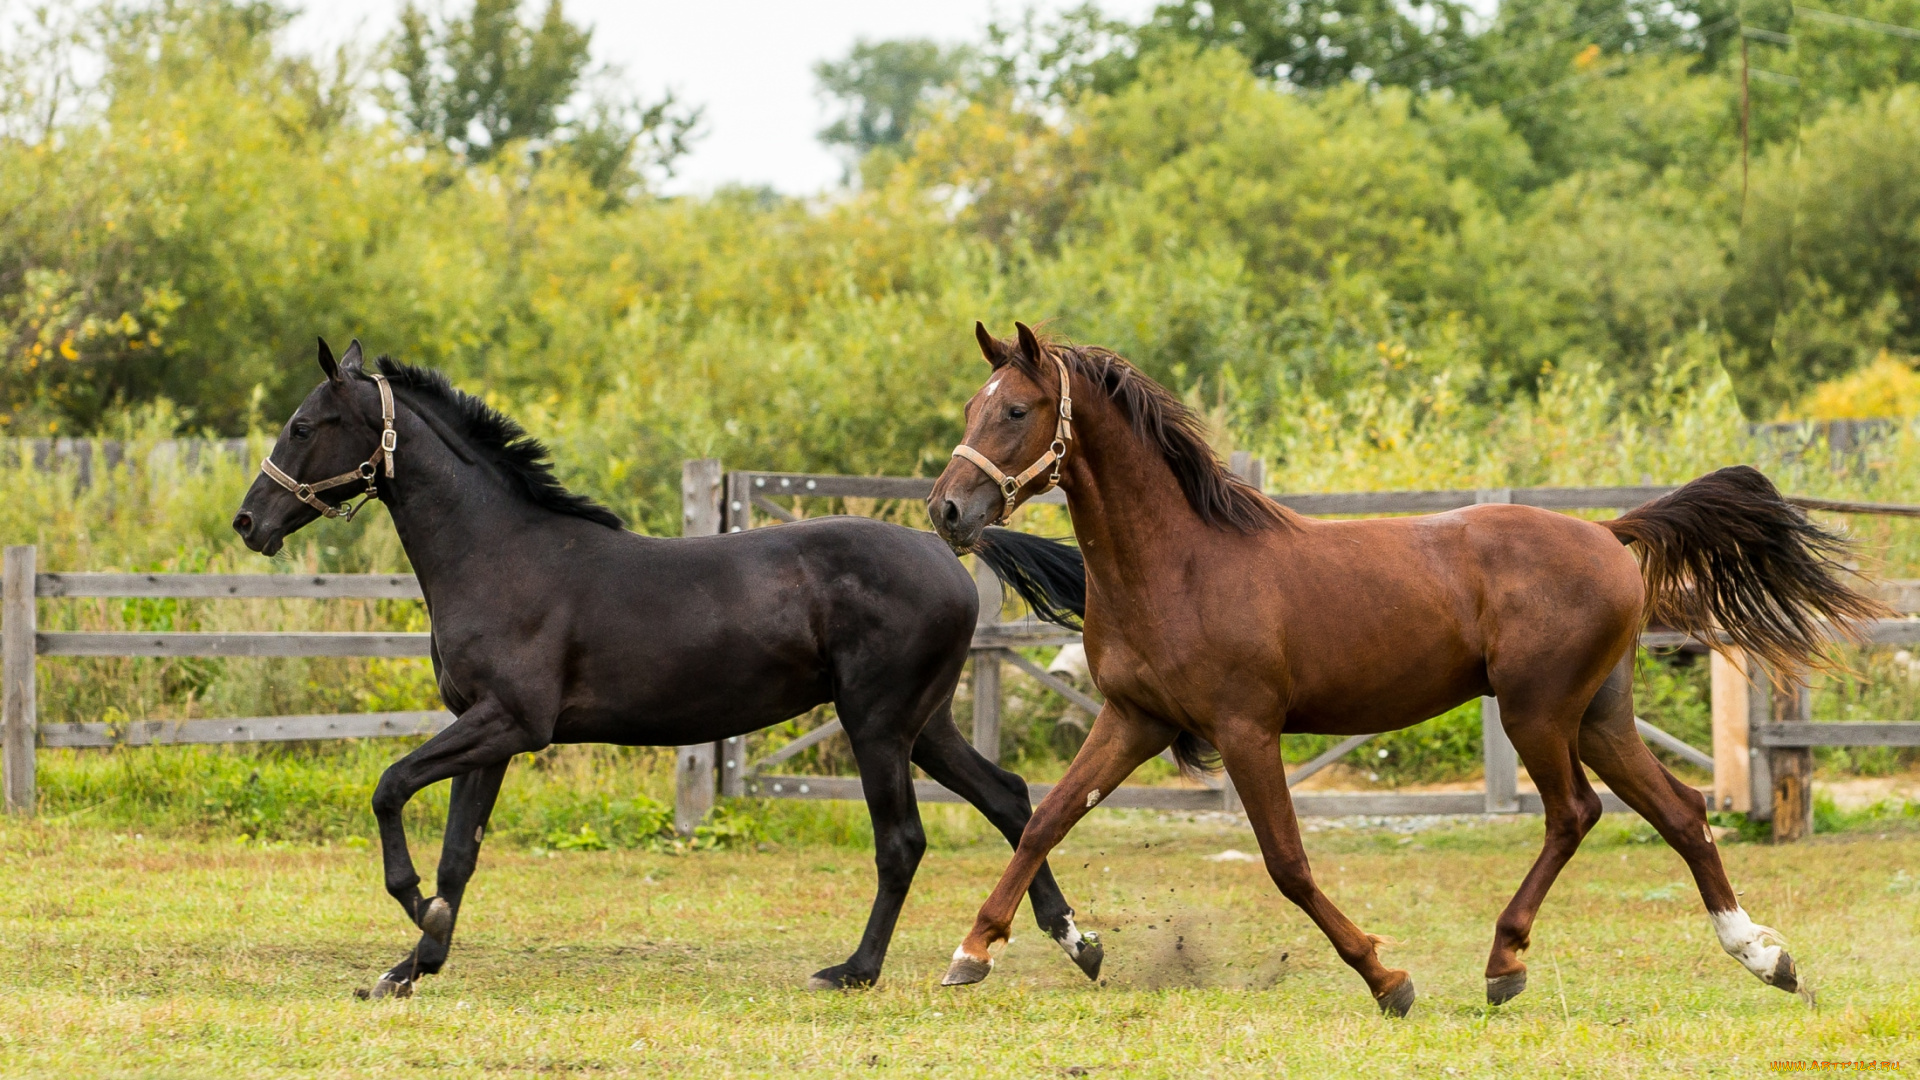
{"points": [[1116, 746], [1252, 757]]}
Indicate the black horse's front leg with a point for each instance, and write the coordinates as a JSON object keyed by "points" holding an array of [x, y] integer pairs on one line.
{"points": [[468, 811], [898, 843], [484, 738]]}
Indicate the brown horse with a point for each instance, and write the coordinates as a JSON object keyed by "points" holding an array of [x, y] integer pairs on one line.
{"points": [[1215, 614]]}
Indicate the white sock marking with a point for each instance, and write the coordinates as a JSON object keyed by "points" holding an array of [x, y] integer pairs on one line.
{"points": [[1756, 947]]}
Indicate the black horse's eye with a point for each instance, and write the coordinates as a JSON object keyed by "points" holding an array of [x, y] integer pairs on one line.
{"points": [[1017, 412], [302, 430]]}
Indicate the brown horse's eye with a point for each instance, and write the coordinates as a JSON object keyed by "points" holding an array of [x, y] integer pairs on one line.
{"points": [[1017, 412], [303, 431]]}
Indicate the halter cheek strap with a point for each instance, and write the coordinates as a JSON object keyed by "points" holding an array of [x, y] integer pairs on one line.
{"points": [[368, 470], [1056, 452]]}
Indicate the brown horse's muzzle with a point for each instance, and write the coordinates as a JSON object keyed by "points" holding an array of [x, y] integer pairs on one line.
{"points": [[962, 505]]}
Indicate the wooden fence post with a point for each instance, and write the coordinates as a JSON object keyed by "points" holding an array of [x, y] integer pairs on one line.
{"points": [[17, 627], [1496, 750], [693, 787], [986, 667], [1732, 788], [1502, 762], [1759, 762], [1792, 769], [702, 512]]}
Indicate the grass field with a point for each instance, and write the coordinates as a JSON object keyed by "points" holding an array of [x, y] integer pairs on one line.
{"points": [[136, 956]]}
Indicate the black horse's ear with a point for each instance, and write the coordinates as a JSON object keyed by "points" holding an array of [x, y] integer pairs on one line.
{"points": [[326, 362], [352, 361], [1029, 343], [990, 346]]}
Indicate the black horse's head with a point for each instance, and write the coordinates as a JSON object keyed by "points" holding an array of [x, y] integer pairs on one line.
{"points": [[334, 431]]}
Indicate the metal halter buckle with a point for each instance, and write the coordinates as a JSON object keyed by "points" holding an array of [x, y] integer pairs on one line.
{"points": [[366, 471], [1056, 452]]}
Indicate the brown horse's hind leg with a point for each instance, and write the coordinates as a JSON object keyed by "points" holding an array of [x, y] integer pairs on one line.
{"points": [[1613, 749], [1252, 758], [1545, 745]]}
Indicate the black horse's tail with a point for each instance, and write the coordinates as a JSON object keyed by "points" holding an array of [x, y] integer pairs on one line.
{"points": [[1049, 575], [1728, 554]]}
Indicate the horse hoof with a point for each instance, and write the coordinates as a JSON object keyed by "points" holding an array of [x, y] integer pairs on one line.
{"points": [[837, 978], [390, 988], [1397, 1002], [1786, 975], [437, 923], [1092, 954], [1506, 988], [965, 971]]}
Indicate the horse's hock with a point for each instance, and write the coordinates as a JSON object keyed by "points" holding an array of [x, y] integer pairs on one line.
{"points": [[1761, 758]]}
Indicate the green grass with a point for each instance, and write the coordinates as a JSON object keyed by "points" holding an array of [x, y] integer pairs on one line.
{"points": [[132, 955]]}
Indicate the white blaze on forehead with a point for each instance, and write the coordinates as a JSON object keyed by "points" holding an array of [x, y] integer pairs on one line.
{"points": [[992, 386], [1755, 946]]}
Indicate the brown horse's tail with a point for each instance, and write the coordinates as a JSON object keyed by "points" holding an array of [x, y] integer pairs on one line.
{"points": [[1728, 553]]}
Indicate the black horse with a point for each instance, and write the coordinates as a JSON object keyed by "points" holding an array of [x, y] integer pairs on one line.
{"points": [[553, 624]]}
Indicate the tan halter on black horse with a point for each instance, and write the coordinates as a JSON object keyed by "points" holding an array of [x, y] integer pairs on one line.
{"points": [[1212, 613]]}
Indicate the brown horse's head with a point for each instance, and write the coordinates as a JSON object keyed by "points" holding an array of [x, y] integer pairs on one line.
{"points": [[332, 432], [1013, 422]]}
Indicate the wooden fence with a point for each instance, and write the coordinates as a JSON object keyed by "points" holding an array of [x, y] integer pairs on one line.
{"points": [[1761, 758]]}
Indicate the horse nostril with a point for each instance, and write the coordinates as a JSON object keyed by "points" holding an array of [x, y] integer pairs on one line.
{"points": [[951, 512], [243, 523]]}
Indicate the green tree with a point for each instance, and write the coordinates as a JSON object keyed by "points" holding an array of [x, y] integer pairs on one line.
{"points": [[1319, 43], [478, 83], [878, 88]]}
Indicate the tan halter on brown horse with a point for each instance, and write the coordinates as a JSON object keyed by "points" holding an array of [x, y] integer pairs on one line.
{"points": [[1215, 614]]}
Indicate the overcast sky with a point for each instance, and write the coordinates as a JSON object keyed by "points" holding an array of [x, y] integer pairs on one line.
{"points": [[748, 62]]}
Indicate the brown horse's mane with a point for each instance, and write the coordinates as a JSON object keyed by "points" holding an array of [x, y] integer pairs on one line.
{"points": [[1161, 421]]}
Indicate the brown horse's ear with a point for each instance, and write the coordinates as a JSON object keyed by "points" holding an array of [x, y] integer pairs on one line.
{"points": [[1029, 343], [326, 362], [990, 346], [353, 360]]}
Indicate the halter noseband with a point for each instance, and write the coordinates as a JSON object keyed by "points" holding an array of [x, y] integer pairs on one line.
{"points": [[1055, 455], [382, 455]]}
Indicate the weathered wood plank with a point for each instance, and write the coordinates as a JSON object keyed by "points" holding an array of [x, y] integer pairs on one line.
{"points": [[217, 644], [1316, 804], [818, 735], [17, 712], [1327, 757], [1021, 635], [1894, 733], [1729, 690], [247, 729], [1672, 745], [249, 586], [916, 488]]}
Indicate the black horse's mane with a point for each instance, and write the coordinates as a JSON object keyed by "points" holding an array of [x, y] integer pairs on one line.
{"points": [[523, 459], [1223, 500]]}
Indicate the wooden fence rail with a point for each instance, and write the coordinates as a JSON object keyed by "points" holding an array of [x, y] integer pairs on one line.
{"points": [[717, 500], [1760, 759]]}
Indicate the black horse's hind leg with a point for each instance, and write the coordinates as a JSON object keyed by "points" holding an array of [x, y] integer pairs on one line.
{"points": [[468, 811], [898, 843], [486, 735], [1002, 797]]}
